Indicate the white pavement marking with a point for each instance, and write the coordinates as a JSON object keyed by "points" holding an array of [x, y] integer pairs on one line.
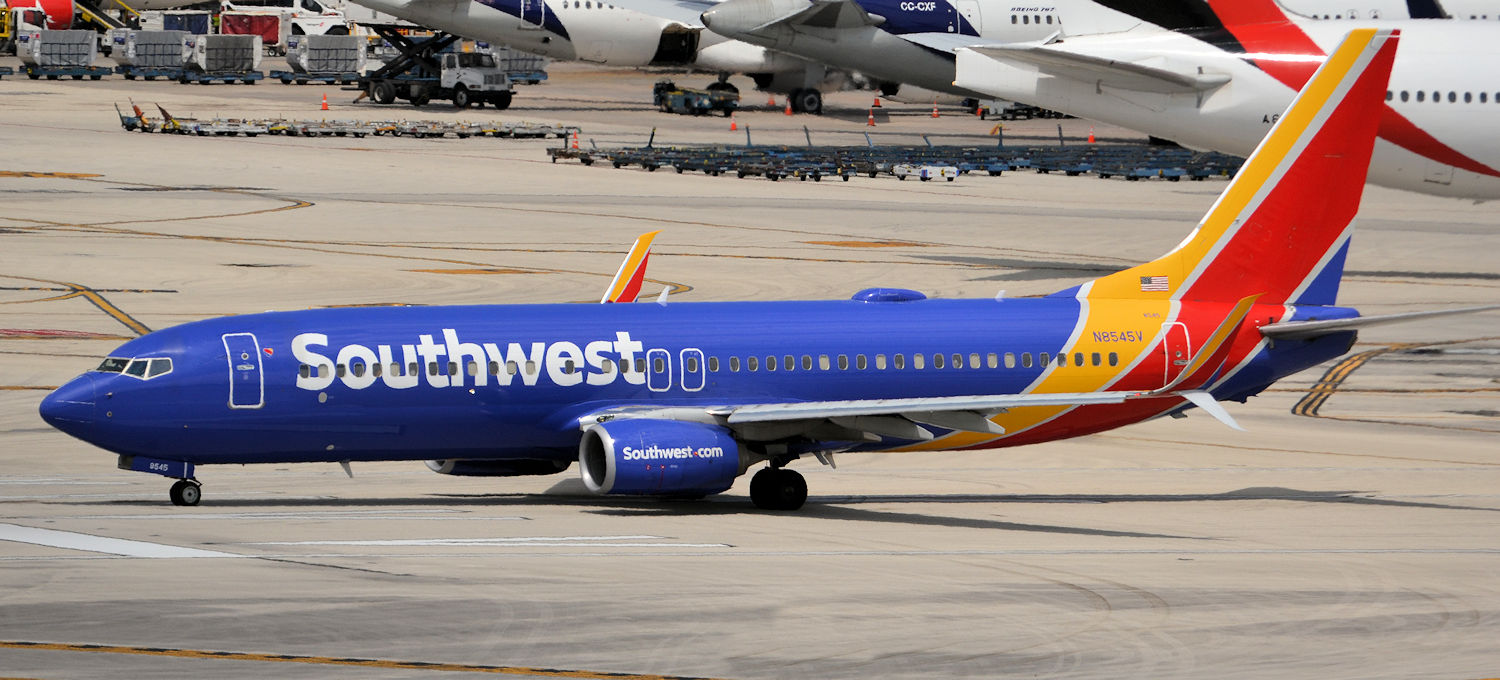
{"points": [[445, 515], [514, 542], [100, 544]]}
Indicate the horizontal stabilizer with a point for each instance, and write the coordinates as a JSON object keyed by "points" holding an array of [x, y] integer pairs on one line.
{"points": [[1116, 73], [1310, 329]]}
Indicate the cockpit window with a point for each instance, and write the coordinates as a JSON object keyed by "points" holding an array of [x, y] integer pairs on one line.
{"points": [[145, 369], [159, 367]]}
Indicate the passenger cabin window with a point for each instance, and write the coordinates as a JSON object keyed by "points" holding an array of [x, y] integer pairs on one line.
{"points": [[938, 361], [807, 363], [752, 364], [1026, 360], [1010, 360], [843, 362], [898, 361], [859, 362], [918, 362], [713, 364], [734, 364]]}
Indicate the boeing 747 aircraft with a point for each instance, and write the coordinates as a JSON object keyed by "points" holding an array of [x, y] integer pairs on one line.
{"points": [[680, 399]]}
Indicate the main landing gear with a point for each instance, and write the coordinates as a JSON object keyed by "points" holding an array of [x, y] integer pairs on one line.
{"points": [[186, 492], [778, 489]]}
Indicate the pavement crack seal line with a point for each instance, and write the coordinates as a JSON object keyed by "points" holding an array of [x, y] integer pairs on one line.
{"points": [[292, 204], [1311, 403], [94, 298], [335, 661]]}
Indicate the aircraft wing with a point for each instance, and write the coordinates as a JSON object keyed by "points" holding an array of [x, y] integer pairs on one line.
{"points": [[866, 419], [944, 42], [1309, 329], [1104, 70]]}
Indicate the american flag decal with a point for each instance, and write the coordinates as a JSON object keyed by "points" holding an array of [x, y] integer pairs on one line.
{"points": [[1153, 284]]}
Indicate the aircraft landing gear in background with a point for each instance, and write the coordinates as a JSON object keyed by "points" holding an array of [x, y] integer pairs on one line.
{"points": [[778, 489], [722, 85], [186, 492], [808, 100]]}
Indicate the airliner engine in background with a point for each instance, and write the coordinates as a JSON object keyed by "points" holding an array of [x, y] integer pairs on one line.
{"points": [[605, 33], [680, 399]]}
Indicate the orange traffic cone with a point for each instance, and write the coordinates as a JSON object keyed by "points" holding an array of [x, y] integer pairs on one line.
{"points": [[934, 110], [877, 103], [733, 125], [1091, 134], [325, 101], [575, 141], [788, 106], [771, 100], [871, 121]]}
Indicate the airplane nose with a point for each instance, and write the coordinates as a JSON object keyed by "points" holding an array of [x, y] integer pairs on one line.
{"points": [[70, 408]]}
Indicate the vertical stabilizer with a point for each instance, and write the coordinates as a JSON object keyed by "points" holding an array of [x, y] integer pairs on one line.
{"points": [[1281, 228]]}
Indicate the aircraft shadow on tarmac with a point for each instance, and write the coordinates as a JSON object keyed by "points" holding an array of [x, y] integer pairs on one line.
{"points": [[569, 493]]}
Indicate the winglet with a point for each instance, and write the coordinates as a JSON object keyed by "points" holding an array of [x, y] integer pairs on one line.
{"points": [[627, 282]]}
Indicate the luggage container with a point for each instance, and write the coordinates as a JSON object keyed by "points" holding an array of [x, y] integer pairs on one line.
{"points": [[148, 49], [326, 54], [58, 49], [222, 54], [196, 23]]}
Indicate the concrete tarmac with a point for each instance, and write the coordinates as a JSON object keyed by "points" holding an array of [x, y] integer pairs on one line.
{"points": [[1356, 538]]}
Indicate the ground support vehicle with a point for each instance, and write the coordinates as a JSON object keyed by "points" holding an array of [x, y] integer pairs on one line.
{"points": [[6, 71], [330, 128], [528, 130], [672, 99], [426, 70]]}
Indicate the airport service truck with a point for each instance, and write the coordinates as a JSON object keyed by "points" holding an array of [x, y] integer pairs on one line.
{"points": [[465, 78]]}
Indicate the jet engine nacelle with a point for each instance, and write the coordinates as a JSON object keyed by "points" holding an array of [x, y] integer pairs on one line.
{"points": [[646, 457], [498, 468]]}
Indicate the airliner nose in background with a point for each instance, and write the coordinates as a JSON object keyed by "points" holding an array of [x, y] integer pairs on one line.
{"points": [[680, 399]]}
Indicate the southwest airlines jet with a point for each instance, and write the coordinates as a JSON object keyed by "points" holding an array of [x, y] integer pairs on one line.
{"points": [[680, 399]]}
